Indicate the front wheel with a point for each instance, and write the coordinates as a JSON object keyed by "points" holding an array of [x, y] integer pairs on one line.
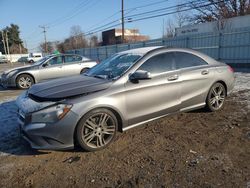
{"points": [[216, 97], [24, 81], [31, 61], [96, 129]]}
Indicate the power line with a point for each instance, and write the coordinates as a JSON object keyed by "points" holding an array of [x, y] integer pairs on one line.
{"points": [[173, 12], [89, 2], [130, 18], [72, 11], [147, 5]]}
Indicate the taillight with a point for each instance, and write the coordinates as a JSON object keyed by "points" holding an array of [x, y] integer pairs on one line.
{"points": [[230, 68]]}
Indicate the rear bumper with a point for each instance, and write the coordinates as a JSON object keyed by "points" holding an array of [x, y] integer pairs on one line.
{"points": [[56, 136]]}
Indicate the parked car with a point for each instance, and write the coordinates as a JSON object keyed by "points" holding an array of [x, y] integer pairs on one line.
{"points": [[33, 57], [50, 67], [23, 59], [3, 59], [126, 90]]}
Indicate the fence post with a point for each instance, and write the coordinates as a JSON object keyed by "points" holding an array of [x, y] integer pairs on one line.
{"points": [[106, 49], [219, 46], [187, 42], [97, 53]]}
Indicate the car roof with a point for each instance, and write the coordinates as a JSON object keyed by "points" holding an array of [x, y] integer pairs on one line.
{"points": [[145, 50], [141, 51]]}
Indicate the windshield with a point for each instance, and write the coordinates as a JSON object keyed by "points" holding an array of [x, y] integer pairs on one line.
{"points": [[113, 67], [39, 62]]}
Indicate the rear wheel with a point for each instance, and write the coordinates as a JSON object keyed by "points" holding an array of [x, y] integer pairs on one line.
{"points": [[24, 81], [96, 129], [84, 70], [216, 97]]}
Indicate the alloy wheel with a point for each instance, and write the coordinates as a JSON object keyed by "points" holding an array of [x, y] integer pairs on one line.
{"points": [[24, 82], [98, 130], [217, 96]]}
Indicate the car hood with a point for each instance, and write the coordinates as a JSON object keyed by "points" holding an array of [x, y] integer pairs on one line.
{"points": [[24, 68], [58, 89]]}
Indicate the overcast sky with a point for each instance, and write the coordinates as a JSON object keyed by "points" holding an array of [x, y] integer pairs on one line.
{"points": [[60, 15]]}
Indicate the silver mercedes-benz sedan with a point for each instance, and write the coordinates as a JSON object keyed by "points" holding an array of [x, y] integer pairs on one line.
{"points": [[126, 90], [49, 67]]}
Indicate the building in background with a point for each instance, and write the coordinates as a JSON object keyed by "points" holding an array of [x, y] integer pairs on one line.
{"points": [[230, 24], [114, 36]]}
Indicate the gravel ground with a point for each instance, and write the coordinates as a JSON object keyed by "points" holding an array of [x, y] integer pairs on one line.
{"points": [[195, 149]]}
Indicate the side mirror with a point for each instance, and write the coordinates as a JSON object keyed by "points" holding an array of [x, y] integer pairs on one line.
{"points": [[45, 65], [140, 75]]}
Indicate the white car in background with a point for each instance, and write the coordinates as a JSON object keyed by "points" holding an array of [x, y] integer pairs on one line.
{"points": [[33, 57]]}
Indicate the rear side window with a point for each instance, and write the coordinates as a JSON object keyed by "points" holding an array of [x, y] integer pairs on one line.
{"points": [[72, 58], [159, 64], [184, 60]]}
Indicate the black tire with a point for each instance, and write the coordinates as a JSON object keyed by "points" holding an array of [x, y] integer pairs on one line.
{"points": [[92, 134], [216, 97], [31, 61], [24, 81], [84, 70]]}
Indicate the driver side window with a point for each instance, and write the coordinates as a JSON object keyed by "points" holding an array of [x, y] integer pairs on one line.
{"points": [[159, 64], [55, 61]]}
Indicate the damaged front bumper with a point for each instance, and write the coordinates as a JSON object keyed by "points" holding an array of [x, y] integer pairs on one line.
{"points": [[54, 136]]}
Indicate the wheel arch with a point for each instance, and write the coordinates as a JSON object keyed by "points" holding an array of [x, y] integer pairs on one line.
{"points": [[223, 83], [113, 110], [27, 73]]}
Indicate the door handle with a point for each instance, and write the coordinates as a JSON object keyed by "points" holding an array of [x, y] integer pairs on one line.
{"points": [[173, 77], [204, 72]]}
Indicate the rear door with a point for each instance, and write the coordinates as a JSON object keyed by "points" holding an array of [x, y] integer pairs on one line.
{"points": [[195, 74], [157, 96], [72, 65], [53, 68]]}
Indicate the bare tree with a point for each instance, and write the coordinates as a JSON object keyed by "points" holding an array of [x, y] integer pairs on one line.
{"points": [[93, 41], [77, 39], [181, 18], [50, 47], [170, 29], [218, 10]]}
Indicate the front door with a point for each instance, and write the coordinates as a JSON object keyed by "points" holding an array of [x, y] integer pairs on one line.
{"points": [[157, 96], [53, 68]]}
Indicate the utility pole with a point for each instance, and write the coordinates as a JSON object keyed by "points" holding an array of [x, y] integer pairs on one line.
{"points": [[5, 51], [7, 42], [8, 48], [45, 39], [122, 21]]}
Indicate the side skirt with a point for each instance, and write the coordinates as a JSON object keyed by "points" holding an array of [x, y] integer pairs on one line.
{"points": [[194, 107]]}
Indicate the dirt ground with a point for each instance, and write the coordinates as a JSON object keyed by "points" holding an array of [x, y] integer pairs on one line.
{"points": [[195, 149]]}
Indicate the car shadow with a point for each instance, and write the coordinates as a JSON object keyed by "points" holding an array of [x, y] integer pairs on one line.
{"points": [[11, 142]]}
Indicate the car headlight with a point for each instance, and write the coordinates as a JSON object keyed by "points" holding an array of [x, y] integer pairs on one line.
{"points": [[51, 114]]}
